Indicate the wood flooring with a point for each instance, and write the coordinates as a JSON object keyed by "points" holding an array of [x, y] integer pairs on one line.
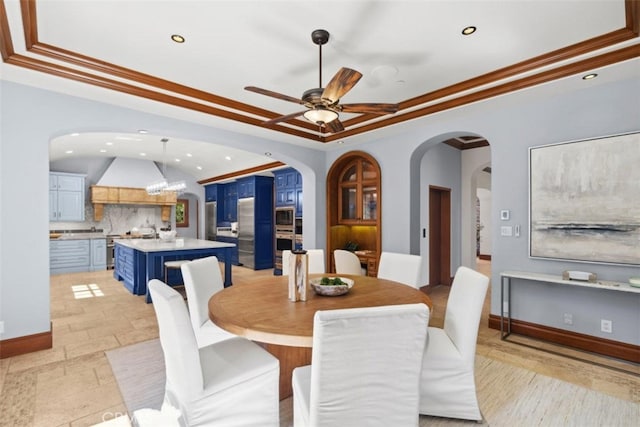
{"points": [[72, 384]]}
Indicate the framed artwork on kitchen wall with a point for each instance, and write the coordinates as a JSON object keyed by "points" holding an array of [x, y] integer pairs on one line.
{"points": [[182, 213], [584, 200]]}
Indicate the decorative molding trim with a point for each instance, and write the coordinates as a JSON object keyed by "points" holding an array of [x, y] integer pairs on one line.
{"points": [[242, 172], [26, 344], [197, 100], [588, 343]]}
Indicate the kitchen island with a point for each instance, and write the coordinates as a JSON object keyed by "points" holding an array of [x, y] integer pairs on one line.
{"points": [[139, 260]]}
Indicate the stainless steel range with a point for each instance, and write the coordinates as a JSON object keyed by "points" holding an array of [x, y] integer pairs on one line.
{"points": [[111, 249]]}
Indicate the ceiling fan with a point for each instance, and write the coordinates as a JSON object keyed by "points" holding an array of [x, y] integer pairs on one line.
{"points": [[322, 104]]}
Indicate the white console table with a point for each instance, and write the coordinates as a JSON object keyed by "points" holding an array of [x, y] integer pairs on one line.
{"points": [[506, 276]]}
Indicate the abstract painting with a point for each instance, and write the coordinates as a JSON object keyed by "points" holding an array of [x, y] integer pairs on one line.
{"points": [[584, 200]]}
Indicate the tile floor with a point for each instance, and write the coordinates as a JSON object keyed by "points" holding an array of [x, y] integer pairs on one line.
{"points": [[72, 385]]}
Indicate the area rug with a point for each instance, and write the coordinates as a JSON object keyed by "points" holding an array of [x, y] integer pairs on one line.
{"points": [[508, 395], [139, 372]]}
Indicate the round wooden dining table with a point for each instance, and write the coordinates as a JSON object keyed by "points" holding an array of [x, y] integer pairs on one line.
{"points": [[261, 311]]}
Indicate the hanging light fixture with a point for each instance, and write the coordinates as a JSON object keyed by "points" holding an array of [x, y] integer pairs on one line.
{"points": [[163, 186], [320, 115]]}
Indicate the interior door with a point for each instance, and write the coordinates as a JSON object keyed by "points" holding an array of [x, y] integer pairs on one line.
{"points": [[439, 236]]}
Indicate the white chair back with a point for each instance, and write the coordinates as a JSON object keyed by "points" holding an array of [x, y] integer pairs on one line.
{"points": [[448, 387], [286, 258], [464, 308], [315, 258], [181, 357], [403, 268], [233, 382], [347, 262], [316, 261], [202, 278], [381, 384]]}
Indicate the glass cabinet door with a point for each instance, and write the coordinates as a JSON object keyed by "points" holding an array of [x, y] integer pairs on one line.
{"points": [[369, 203], [349, 199]]}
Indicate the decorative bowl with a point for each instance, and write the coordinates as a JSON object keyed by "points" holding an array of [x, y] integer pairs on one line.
{"points": [[168, 236], [321, 287]]}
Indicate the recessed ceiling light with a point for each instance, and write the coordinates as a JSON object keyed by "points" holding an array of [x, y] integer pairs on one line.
{"points": [[199, 168], [75, 134], [468, 30], [177, 38], [227, 157], [589, 76], [69, 151], [143, 131], [341, 142], [143, 154], [189, 155], [103, 151], [177, 160]]}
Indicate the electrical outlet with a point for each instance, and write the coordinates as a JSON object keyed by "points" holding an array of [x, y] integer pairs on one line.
{"points": [[606, 326], [568, 319]]}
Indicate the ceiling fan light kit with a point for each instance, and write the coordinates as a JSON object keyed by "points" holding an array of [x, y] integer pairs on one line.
{"points": [[320, 115], [322, 104]]}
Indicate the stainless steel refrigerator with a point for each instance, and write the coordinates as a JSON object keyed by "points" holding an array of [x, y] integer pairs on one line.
{"points": [[246, 232], [210, 220]]}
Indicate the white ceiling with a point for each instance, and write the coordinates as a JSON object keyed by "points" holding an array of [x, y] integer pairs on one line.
{"points": [[404, 49]]}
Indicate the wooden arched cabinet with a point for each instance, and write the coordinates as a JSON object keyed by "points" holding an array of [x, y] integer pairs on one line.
{"points": [[353, 208]]}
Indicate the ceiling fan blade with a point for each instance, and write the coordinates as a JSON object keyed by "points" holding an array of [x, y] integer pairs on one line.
{"points": [[284, 118], [274, 94], [334, 126], [341, 83], [373, 108]]}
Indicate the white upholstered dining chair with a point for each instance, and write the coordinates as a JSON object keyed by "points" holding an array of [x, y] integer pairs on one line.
{"points": [[232, 382], [379, 387], [202, 278], [447, 386], [403, 268], [315, 259], [347, 262]]}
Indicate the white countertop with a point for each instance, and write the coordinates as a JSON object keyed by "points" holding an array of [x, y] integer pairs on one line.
{"points": [[81, 236], [180, 244]]}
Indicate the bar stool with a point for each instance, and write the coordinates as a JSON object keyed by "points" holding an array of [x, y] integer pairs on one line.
{"points": [[173, 265]]}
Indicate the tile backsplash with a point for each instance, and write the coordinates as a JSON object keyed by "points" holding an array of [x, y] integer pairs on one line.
{"points": [[117, 219]]}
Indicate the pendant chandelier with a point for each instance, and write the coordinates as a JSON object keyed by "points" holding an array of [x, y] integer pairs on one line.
{"points": [[164, 186]]}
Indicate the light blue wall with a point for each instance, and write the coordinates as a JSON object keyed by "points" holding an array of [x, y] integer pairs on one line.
{"points": [[30, 119], [511, 123]]}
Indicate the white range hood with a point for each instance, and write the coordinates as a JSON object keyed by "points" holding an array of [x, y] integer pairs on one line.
{"points": [[131, 173], [124, 183]]}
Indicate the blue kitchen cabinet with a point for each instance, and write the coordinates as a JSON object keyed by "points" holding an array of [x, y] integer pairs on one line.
{"points": [[66, 196], [229, 208], [69, 256], [288, 188], [263, 252], [235, 259], [299, 202], [246, 187], [211, 193], [130, 268], [98, 255]]}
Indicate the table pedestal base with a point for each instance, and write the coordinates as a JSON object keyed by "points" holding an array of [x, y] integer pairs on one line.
{"points": [[290, 358]]}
